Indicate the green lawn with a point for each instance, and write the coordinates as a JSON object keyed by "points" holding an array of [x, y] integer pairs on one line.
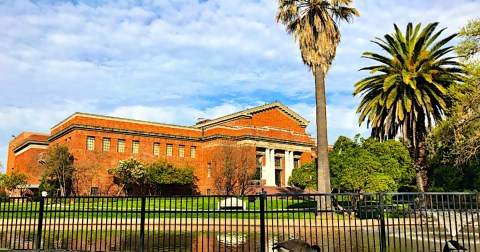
{"points": [[174, 207]]}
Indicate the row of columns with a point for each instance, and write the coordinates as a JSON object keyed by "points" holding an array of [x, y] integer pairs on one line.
{"points": [[268, 171]]}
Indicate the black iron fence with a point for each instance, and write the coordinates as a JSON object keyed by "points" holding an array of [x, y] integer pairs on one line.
{"points": [[346, 222]]}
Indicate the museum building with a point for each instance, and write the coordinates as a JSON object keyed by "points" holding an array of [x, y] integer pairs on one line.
{"points": [[274, 133]]}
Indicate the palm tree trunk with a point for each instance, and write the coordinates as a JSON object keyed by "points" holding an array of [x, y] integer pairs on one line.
{"points": [[420, 165], [323, 170]]}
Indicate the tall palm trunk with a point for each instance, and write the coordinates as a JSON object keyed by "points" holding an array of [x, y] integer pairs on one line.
{"points": [[418, 152], [420, 165], [323, 170]]}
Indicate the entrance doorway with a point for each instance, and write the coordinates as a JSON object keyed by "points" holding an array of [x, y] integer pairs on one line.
{"points": [[278, 177]]}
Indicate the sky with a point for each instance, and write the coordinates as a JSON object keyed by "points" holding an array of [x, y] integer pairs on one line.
{"points": [[172, 61]]}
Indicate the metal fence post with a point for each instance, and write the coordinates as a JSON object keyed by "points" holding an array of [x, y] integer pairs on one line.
{"points": [[142, 224], [263, 242], [383, 237], [40, 223]]}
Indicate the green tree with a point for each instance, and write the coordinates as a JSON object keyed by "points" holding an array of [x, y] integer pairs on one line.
{"points": [[129, 173], [465, 117], [409, 89], [369, 165], [49, 185], [13, 180], [304, 176], [454, 144], [58, 163], [314, 23], [469, 46], [162, 174]]}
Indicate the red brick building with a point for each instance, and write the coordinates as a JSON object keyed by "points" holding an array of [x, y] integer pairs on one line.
{"points": [[274, 133]]}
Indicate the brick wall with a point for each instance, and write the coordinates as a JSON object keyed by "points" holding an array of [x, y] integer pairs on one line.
{"points": [[270, 125], [269, 118]]}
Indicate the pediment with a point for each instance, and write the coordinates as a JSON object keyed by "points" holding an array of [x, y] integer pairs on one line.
{"points": [[250, 113]]}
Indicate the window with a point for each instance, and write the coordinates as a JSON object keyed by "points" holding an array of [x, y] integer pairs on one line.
{"points": [[258, 170], [135, 146], [106, 144], [93, 191], [193, 151], [121, 145], [278, 163], [296, 163], [208, 191], [90, 143], [156, 149], [209, 169], [169, 150], [181, 150]]}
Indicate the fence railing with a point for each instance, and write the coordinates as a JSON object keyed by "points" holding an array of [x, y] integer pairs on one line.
{"points": [[350, 222]]}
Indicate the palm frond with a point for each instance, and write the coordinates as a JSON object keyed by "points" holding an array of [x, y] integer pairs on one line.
{"points": [[411, 84]]}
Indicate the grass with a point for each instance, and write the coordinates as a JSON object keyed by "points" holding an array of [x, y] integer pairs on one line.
{"points": [[184, 207], [170, 207]]}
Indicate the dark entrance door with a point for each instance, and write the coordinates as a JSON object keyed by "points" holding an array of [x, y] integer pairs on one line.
{"points": [[278, 177]]}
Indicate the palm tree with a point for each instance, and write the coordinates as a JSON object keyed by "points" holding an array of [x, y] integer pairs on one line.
{"points": [[314, 24], [409, 90]]}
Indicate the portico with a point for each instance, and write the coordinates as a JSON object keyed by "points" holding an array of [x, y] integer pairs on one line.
{"points": [[276, 161]]}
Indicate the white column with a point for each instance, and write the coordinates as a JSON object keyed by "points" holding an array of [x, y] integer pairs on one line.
{"points": [[288, 165], [267, 164], [270, 178], [272, 163]]}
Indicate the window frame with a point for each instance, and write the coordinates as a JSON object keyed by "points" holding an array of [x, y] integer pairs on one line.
{"points": [[106, 140], [90, 143], [279, 166], [193, 151], [156, 148], [121, 150], [209, 170], [169, 150], [135, 146], [181, 150]]}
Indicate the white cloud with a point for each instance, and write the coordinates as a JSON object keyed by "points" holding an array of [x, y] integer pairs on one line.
{"points": [[181, 115]]}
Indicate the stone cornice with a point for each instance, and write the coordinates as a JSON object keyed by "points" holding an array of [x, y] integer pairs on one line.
{"points": [[119, 119], [30, 142], [74, 127], [257, 139]]}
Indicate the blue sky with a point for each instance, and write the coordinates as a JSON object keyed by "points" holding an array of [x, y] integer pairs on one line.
{"points": [[174, 61]]}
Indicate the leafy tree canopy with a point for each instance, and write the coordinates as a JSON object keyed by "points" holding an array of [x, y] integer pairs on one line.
{"points": [[457, 138], [370, 165], [13, 180], [49, 185], [129, 171], [304, 176], [58, 164], [164, 173], [469, 46], [149, 178], [454, 144]]}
